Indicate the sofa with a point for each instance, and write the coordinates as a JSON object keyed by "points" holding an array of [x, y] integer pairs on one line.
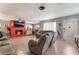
{"points": [[6, 47]]}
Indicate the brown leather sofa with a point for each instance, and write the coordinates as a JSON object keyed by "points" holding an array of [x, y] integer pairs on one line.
{"points": [[36, 47]]}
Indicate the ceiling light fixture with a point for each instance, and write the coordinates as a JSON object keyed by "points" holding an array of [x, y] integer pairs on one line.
{"points": [[42, 8]]}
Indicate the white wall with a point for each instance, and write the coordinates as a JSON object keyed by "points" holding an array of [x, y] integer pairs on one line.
{"points": [[72, 21], [70, 27]]}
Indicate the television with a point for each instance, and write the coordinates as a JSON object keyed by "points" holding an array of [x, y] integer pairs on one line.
{"points": [[18, 24]]}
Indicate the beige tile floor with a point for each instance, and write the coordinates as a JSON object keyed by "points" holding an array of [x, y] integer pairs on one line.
{"points": [[20, 44], [60, 47]]}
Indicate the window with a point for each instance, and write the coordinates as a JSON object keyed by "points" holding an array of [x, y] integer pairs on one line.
{"points": [[51, 26], [28, 26]]}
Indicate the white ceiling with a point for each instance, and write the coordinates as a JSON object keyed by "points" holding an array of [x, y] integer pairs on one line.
{"points": [[31, 12]]}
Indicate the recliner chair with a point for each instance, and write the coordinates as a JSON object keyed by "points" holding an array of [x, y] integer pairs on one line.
{"points": [[36, 47], [44, 42]]}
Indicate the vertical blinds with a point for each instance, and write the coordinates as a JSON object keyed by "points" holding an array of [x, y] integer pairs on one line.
{"points": [[51, 26]]}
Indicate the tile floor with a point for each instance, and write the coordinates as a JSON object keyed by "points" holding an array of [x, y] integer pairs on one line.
{"points": [[60, 47], [20, 44]]}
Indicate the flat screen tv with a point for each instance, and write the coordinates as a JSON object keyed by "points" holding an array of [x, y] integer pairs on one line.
{"points": [[18, 24]]}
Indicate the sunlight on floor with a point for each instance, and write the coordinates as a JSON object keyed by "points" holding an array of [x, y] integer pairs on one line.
{"points": [[20, 52], [69, 50]]}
